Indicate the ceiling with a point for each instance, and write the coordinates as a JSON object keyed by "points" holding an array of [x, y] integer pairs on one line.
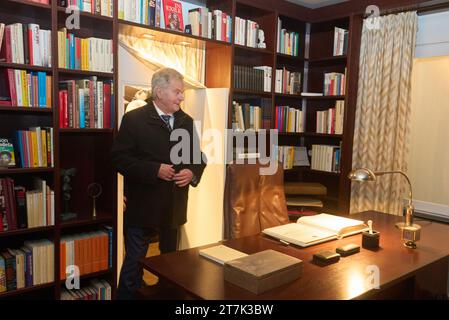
{"points": [[316, 3]]}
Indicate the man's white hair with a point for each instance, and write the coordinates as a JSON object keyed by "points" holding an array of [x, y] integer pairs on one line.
{"points": [[162, 78]]}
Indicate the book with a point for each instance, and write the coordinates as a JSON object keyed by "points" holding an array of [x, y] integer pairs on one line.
{"points": [[311, 230], [7, 158], [173, 15], [262, 271], [221, 254], [311, 94]]}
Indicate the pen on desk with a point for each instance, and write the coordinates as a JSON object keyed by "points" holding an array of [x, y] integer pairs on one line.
{"points": [[284, 242]]}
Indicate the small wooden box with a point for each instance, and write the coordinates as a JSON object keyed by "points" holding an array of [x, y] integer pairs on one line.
{"points": [[262, 271]]}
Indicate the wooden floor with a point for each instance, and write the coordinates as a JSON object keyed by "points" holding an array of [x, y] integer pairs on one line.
{"points": [[148, 277]]}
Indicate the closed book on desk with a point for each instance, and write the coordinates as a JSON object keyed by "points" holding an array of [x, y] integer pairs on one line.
{"points": [[221, 253], [262, 271], [312, 230]]}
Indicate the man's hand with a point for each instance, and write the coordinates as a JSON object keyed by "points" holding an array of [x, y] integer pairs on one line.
{"points": [[183, 177], [124, 203], [166, 172]]}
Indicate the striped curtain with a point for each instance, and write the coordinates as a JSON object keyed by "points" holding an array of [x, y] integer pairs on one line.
{"points": [[381, 137]]}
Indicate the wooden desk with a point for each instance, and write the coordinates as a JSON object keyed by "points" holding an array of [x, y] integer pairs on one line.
{"points": [[404, 273]]}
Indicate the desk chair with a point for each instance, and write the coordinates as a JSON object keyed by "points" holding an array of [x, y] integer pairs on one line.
{"points": [[253, 202]]}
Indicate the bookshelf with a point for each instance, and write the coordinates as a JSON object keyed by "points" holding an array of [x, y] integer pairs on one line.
{"points": [[87, 150]]}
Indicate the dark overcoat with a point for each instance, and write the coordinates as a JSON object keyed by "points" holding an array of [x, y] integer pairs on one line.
{"points": [[141, 146]]}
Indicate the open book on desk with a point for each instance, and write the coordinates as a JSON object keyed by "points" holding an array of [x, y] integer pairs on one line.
{"points": [[312, 230]]}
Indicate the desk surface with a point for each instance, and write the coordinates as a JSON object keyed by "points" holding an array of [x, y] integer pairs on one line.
{"points": [[346, 279]]}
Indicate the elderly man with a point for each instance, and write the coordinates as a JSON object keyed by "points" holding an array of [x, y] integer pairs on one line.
{"points": [[157, 190]]}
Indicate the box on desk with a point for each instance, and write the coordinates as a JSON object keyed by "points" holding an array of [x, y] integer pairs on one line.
{"points": [[262, 271]]}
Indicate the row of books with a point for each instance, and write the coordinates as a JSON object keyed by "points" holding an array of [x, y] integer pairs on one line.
{"points": [[252, 78], [214, 24], [341, 37], [144, 12], [101, 7], [288, 119], [26, 44], [287, 82], [86, 103], [325, 158], [91, 54], [34, 147], [331, 121], [89, 251], [99, 289], [30, 265], [287, 41], [334, 84], [21, 208], [291, 156], [25, 88], [248, 117], [247, 33]]}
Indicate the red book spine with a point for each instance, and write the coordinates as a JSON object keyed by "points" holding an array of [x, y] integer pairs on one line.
{"points": [[12, 87], [66, 109], [8, 48], [61, 108], [107, 106]]}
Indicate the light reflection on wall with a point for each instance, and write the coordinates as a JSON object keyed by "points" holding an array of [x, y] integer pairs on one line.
{"points": [[187, 60]]}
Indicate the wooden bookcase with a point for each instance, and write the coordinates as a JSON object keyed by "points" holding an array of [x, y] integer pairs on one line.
{"points": [[87, 150]]}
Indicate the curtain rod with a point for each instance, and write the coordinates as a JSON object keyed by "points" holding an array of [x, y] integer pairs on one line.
{"points": [[421, 9]]}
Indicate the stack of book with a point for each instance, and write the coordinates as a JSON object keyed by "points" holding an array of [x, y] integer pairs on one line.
{"points": [[341, 37]]}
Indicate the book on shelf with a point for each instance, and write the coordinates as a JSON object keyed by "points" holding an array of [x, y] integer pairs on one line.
{"points": [[287, 41], [334, 83], [26, 44], [257, 79], [247, 33], [7, 157], [35, 147], [221, 254], [287, 82], [311, 230], [26, 88], [98, 289], [288, 119], [325, 158], [101, 7], [86, 103], [173, 15], [88, 54], [302, 201], [291, 156], [341, 37], [331, 121]]}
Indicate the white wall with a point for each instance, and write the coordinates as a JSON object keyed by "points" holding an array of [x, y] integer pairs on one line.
{"points": [[205, 207], [429, 154], [433, 35]]}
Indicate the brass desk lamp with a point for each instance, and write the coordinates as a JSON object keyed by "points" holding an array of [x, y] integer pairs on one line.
{"points": [[410, 232]]}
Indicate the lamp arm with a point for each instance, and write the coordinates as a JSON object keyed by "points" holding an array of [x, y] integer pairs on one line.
{"points": [[380, 173]]}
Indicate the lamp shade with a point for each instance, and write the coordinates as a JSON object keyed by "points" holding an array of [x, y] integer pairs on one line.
{"points": [[362, 174]]}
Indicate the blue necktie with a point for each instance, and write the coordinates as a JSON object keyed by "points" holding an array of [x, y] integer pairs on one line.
{"points": [[166, 119]]}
